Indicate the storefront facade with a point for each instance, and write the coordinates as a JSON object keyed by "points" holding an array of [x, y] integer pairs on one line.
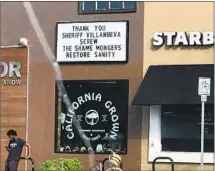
{"points": [[44, 130], [170, 84], [111, 86]]}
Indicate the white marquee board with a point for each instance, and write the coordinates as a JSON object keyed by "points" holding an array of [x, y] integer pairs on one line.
{"points": [[89, 42]]}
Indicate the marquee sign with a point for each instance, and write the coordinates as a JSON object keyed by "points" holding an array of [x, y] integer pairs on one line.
{"points": [[81, 42], [182, 38], [101, 108]]}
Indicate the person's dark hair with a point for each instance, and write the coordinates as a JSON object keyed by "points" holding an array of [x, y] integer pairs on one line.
{"points": [[11, 132]]}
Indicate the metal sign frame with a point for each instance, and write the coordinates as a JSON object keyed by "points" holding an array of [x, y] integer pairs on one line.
{"points": [[203, 91]]}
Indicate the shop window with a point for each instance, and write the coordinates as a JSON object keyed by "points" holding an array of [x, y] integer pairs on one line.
{"points": [[115, 4], [97, 115], [106, 6], [175, 131], [181, 128]]}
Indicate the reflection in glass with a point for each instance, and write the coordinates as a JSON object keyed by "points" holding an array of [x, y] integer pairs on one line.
{"points": [[129, 5], [102, 5], [115, 4], [181, 128], [88, 5]]}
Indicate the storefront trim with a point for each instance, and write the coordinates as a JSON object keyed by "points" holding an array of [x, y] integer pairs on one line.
{"points": [[13, 46]]}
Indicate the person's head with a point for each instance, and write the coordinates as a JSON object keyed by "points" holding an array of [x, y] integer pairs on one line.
{"points": [[12, 134]]}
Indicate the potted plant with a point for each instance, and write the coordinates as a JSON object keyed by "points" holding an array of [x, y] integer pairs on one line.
{"points": [[62, 164]]}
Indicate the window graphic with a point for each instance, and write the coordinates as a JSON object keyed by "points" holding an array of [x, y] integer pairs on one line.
{"points": [[106, 6], [97, 114]]}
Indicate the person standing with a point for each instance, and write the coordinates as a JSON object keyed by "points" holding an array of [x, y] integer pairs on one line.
{"points": [[14, 149]]}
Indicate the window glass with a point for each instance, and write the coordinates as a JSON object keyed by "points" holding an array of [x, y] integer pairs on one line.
{"points": [[102, 5], [181, 128], [129, 5], [106, 6], [88, 5], [115, 4], [91, 102]]}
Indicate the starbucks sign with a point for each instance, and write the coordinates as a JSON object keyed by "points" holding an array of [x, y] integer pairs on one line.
{"points": [[182, 38], [100, 108]]}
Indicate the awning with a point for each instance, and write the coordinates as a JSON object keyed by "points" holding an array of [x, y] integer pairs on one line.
{"points": [[173, 84]]}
